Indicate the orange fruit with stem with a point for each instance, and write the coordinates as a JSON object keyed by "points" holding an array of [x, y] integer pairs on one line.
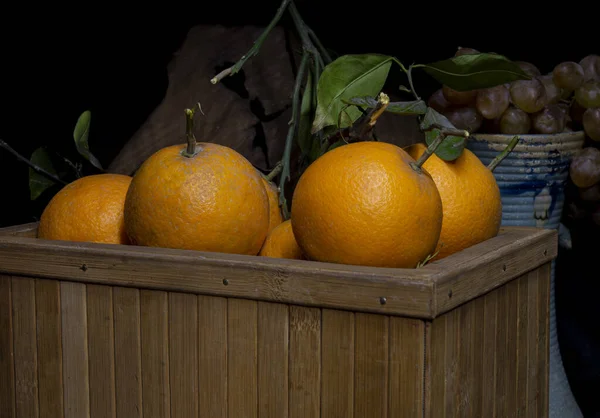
{"points": [[281, 243], [470, 200], [367, 203], [198, 196], [89, 209]]}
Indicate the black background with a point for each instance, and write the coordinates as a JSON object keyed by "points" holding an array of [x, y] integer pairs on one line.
{"points": [[56, 63]]}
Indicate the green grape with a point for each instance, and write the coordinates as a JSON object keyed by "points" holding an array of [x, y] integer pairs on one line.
{"points": [[466, 118], [492, 102], [591, 67], [591, 123], [590, 194], [461, 98], [553, 92], [529, 68], [515, 121], [438, 102], [465, 51], [528, 95], [588, 95], [549, 120], [568, 75], [584, 170], [576, 112]]}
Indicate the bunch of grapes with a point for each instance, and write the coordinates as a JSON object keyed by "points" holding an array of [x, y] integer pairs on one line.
{"points": [[566, 99]]}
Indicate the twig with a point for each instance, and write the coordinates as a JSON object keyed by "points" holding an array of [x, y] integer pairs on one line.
{"points": [[30, 164], [276, 170], [444, 133], [410, 82], [409, 76], [302, 30], [256, 47], [447, 131], [496, 161], [322, 50], [364, 125], [287, 152], [429, 151]]}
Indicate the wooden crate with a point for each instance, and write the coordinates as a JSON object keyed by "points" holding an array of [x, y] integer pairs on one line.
{"points": [[90, 330]]}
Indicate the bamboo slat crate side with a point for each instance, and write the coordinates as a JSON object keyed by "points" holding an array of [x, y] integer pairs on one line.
{"points": [[147, 332]]}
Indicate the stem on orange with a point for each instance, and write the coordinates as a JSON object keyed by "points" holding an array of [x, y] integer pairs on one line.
{"points": [[496, 161], [444, 132], [189, 131]]}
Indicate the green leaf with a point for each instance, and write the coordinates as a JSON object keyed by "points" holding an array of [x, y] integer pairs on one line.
{"points": [[417, 107], [452, 146], [476, 71], [306, 114], [81, 135], [346, 77], [38, 183]]}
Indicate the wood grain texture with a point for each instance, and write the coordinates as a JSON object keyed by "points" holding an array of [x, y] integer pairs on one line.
{"points": [[76, 382], [154, 328], [242, 374], [141, 352], [183, 354], [371, 374], [101, 349], [212, 356], [305, 362], [49, 352], [421, 293], [273, 360], [7, 358], [406, 364], [25, 346], [128, 362], [337, 364], [484, 267], [489, 356]]}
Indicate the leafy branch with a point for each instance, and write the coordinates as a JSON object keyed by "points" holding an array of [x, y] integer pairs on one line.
{"points": [[339, 101], [38, 169], [42, 172], [312, 50]]}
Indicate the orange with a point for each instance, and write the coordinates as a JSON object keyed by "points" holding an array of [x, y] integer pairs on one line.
{"points": [[363, 204], [213, 201], [89, 209], [281, 243], [470, 200], [275, 217]]}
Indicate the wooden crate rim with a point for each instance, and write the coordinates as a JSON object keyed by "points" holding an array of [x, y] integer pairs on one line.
{"points": [[422, 293]]}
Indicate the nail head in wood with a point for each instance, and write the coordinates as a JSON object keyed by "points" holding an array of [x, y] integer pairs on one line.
{"points": [[225, 282], [83, 267]]}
